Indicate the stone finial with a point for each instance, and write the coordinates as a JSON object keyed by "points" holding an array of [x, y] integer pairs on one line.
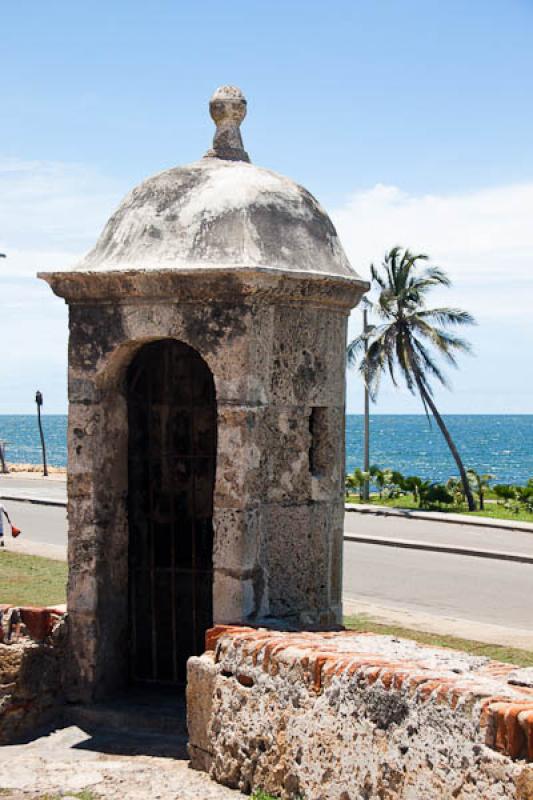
{"points": [[228, 109]]}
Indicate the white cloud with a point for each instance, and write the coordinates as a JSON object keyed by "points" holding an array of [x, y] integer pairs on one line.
{"points": [[483, 239], [50, 213]]}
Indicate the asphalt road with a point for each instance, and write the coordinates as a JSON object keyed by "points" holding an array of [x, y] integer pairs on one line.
{"points": [[440, 584], [444, 585], [50, 488], [43, 524], [442, 533]]}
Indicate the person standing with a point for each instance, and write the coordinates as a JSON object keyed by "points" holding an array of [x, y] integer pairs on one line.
{"points": [[3, 512]]}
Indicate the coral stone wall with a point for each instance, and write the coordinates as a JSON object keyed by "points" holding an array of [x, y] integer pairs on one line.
{"points": [[276, 348], [31, 647], [346, 716]]}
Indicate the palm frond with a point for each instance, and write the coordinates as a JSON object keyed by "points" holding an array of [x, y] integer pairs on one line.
{"points": [[452, 341], [434, 276], [354, 349], [376, 277], [429, 363], [447, 316], [444, 341], [411, 338], [404, 360], [378, 358]]}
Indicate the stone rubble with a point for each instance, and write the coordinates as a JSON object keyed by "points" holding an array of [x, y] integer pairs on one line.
{"points": [[31, 651]]}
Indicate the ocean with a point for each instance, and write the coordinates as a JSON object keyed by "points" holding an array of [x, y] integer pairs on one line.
{"points": [[498, 444]]}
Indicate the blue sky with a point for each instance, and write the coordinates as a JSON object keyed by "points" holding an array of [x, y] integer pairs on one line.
{"points": [[411, 121]]}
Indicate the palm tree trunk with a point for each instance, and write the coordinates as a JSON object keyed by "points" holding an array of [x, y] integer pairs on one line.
{"points": [[428, 401], [449, 441]]}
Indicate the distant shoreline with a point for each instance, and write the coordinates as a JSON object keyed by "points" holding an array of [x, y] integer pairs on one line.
{"points": [[16, 468]]}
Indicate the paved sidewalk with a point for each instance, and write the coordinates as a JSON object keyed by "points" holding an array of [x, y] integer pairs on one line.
{"points": [[437, 516], [437, 547], [112, 765], [43, 491], [447, 626]]}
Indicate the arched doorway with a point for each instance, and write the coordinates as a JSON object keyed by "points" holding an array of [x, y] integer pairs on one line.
{"points": [[171, 462]]}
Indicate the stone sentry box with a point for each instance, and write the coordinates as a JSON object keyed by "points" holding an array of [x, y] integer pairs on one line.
{"points": [[206, 415]]}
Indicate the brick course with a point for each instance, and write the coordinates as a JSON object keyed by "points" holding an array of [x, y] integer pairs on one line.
{"points": [[276, 685]]}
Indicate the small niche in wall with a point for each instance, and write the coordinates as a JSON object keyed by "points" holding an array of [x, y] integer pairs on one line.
{"points": [[319, 447]]}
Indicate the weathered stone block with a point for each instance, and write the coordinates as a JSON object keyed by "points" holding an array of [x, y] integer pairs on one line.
{"points": [[293, 536], [201, 675], [94, 332], [308, 359], [336, 548], [284, 440], [234, 598], [348, 715], [83, 591], [82, 391], [80, 484], [239, 457], [10, 661], [326, 452], [237, 540], [31, 677]]}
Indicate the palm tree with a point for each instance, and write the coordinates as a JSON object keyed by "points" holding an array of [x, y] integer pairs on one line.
{"points": [[455, 487], [356, 481], [480, 482], [411, 336]]}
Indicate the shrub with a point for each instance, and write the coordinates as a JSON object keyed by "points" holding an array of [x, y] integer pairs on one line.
{"points": [[504, 491], [435, 494]]}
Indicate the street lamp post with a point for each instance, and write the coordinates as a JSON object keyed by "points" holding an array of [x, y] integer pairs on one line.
{"points": [[39, 401]]}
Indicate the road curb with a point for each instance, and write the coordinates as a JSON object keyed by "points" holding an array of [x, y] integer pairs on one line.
{"points": [[425, 622], [40, 501], [412, 544], [435, 516]]}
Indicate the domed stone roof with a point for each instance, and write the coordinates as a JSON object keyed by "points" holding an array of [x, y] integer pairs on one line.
{"points": [[220, 212]]}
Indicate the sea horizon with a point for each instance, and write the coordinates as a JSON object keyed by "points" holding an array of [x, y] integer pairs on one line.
{"points": [[497, 444], [348, 414]]}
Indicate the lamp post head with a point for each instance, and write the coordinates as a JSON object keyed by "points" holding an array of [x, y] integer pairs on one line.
{"points": [[38, 398]]}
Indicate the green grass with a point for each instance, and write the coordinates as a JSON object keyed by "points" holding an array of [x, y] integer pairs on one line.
{"points": [[31, 580], [492, 510], [497, 511], [510, 655], [262, 796]]}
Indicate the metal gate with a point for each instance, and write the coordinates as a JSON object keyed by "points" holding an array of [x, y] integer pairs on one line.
{"points": [[171, 461]]}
